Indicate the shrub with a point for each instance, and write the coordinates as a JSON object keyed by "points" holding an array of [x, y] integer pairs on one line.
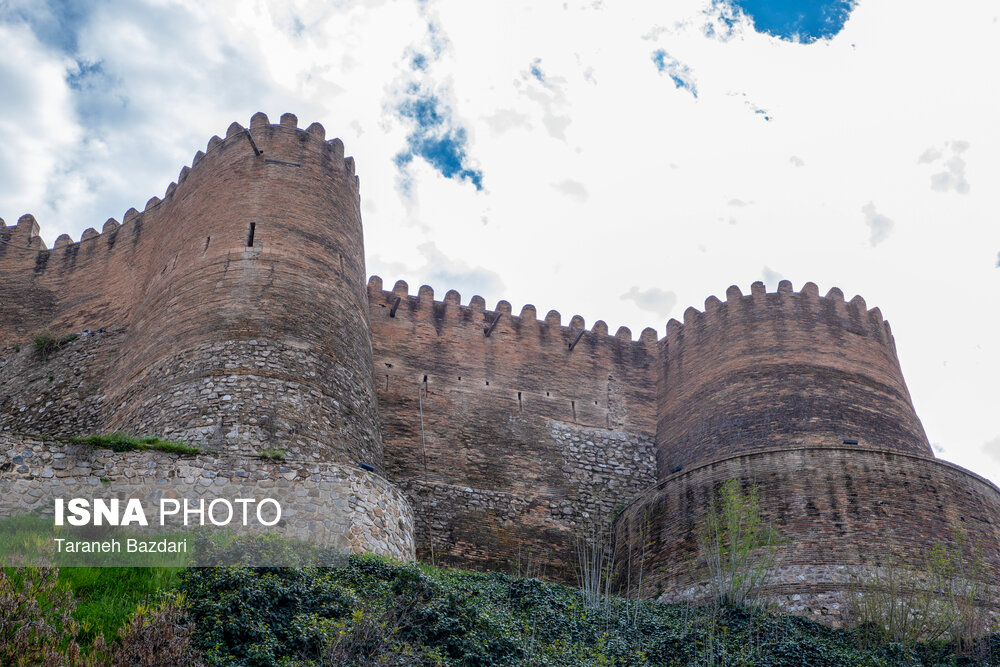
{"points": [[158, 635], [46, 344], [943, 596], [36, 626], [737, 545]]}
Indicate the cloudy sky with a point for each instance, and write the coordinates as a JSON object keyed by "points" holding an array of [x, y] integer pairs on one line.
{"points": [[620, 160]]}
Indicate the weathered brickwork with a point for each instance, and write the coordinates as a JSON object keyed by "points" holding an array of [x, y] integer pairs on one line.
{"points": [[232, 314], [515, 528], [246, 255], [768, 370], [492, 431], [836, 509]]}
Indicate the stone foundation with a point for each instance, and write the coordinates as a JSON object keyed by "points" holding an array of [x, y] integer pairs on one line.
{"points": [[322, 503]]}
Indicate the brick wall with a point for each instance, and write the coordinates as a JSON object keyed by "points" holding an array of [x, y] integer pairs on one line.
{"points": [[786, 368], [523, 438], [226, 343], [835, 508]]}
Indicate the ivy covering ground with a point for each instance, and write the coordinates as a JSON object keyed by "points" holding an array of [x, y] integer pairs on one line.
{"points": [[377, 612]]}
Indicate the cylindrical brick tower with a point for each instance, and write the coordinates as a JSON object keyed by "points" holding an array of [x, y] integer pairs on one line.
{"points": [[801, 398], [249, 324], [781, 369]]}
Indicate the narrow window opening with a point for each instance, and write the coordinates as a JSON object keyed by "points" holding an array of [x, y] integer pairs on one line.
{"points": [[208, 239], [546, 393], [459, 378], [487, 383], [573, 403], [253, 227], [425, 379], [387, 383], [518, 400]]}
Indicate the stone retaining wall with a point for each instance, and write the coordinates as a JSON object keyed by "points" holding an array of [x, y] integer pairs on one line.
{"points": [[322, 503]]}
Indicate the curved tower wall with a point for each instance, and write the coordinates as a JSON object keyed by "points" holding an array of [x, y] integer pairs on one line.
{"points": [[231, 342], [781, 369], [838, 513], [274, 327]]}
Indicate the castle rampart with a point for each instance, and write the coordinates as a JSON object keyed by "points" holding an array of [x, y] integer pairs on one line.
{"points": [[780, 369], [240, 295], [508, 432], [232, 314], [839, 512]]}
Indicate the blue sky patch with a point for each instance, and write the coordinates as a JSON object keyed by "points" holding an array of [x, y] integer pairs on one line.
{"points": [[536, 70], [56, 23], [435, 138], [803, 21], [678, 72]]}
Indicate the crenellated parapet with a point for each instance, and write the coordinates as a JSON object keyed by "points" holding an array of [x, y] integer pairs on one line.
{"points": [[240, 293], [25, 235], [232, 313], [777, 369], [423, 305], [500, 425]]}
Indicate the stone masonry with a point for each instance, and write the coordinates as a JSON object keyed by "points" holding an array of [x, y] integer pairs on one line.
{"points": [[232, 314]]}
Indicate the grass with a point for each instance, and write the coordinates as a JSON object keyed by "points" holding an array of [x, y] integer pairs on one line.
{"points": [[28, 539], [107, 597], [273, 454], [121, 442], [46, 344]]}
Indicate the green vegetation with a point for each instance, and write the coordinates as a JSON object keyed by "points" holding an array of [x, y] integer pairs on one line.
{"points": [[46, 344], [30, 539], [108, 597], [273, 454], [121, 442], [378, 612], [41, 622], [737, 545], [372, 611], [943, 598]]}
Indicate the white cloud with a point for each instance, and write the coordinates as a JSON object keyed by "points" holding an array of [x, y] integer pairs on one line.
{"points": [[654, 300], [880, 225], [771, 278], [571, 188], [949, 158], [992, 448], [658, 166]]}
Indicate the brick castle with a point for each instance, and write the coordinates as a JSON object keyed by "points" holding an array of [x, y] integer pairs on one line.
{"points": [[233, 314]]}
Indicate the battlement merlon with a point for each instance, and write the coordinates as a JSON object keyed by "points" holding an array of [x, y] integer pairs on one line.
{"points": [[27, 231], [450, 309], [853, 315], [248, 276], [90, 276], [776, 369]]}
